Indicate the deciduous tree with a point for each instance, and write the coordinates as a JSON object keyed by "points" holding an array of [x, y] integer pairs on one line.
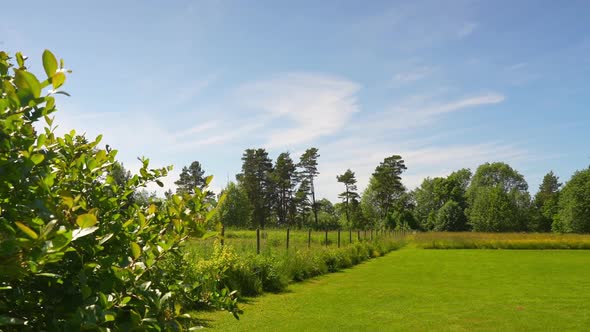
{"points": [[498, 199], [574, 205]]}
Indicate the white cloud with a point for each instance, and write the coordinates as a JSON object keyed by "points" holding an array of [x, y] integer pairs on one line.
{"points": [[429, 161], [196, 129], [370, 141], [314, 105], [487, 99], [421, 110]]}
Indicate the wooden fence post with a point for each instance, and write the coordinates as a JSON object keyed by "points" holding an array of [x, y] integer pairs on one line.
{"points": [[288, 239], [222, 235], [326, 237], [358, 235], [257, 241], [350, 235], [338, 237], [309, 238]]}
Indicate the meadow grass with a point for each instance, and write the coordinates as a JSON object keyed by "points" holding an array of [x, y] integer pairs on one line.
{"points": [[274, 241], [473, 240], [431, 290], [236, 266]]}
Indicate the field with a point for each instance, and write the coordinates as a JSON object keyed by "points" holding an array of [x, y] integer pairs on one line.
{"points": [[472, 240], [274, 241], [414, 289]]}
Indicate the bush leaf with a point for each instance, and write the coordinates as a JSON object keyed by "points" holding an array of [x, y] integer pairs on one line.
{"points": [[135, 250], [86, 220], [49, 63], [27, 230], [80, 232]]}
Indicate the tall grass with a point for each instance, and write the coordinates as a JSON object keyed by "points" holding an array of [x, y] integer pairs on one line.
{"points": [[472, 240], [236, 265]]}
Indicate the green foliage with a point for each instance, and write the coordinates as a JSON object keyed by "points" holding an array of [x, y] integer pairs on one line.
{"points": [[401, 216], [574, 205], [309, 170], [387, 185], [498, 199], [371, 209], [75, 251], [434, 193], [285, 179], [450, 217], [193, 179], [256, 181], [235, 210], [350, 194], [237, 267], [546, 203]]}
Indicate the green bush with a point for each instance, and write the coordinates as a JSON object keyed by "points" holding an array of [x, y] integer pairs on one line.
{"points": [[76, 251]]}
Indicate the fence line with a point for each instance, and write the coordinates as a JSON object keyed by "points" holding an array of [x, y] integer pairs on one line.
{"points": [[367, 235]]}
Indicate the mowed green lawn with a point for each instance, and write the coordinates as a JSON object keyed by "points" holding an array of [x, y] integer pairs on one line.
{"points": [[426, 290]]}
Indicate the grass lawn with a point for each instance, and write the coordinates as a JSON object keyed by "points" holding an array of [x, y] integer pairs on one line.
{"points": [[423, 290]]}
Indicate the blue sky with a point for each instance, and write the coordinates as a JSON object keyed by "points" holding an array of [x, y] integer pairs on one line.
{"points": [[445, 84]]}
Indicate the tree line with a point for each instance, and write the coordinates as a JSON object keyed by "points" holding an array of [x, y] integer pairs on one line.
{"points": [[281, 193]]}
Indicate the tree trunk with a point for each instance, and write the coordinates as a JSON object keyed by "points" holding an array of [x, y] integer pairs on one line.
{"points": [[314, 206]]}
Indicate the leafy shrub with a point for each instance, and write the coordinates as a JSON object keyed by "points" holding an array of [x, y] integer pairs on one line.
{"points": [[76, 252], [574, 205]]}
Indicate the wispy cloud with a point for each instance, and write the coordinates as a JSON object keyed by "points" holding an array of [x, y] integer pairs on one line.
{"points": [[312, 105], [415, 25], [420, 111], [400, 130], [422, 161], [198, 129]]}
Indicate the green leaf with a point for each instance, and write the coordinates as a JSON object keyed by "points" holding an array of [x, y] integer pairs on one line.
{"points": [[209, 235], [48, 228], [159, 183], [105, 238], [208, 180], [50, 275], [27, 83], [41, 140], [135, 250], [20, 59], [68, 201], [58, 80], [50, 104], [49, 63], [86, 220], [37, 158], [80, 232], [210, 214], [26, 230]]}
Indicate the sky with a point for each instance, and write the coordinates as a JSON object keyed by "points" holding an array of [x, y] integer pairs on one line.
{"points": [[444, 84]]}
